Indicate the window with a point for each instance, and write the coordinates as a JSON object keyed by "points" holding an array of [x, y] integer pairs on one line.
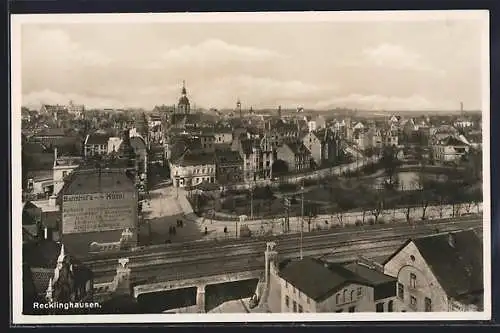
{"points": [[390, 306], [300, 309], [379, 307], [413, 280], [294, 306], [294, 291], [339, 310], [64, 174], [352, 309], [344, 296], [307, 300], [428, 305], [287, 301], [286, 284], [413, 301], [401, 291], [360, 291], [337, 298], [352, 295]]}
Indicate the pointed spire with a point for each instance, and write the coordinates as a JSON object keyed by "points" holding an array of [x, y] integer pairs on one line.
{"points": [[183, 87], [60, 259], [49, 291]]}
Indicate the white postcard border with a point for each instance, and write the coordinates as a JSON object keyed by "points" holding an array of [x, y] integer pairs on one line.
{"points": [[18, 20]]}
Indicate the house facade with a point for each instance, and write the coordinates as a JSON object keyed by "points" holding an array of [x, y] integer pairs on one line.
{"points": [[438, 273], [326, 287], [229, 166], [193, 168], [296, 156], [449, 149], [258, 158], [95, 144]]}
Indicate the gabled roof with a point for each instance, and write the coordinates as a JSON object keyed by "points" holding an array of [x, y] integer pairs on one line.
{"points": [[248, 145], [96, 181], [195, 158], [321, 280], [452, 141], [228, 157], [97, 139], [51, 132], [55, 108], [297, 148], [456, 259]]}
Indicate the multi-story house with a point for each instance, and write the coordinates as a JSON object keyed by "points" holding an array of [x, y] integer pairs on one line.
{"points": [[311, 285], [76, 110], [155, 128], [324, 146], [229, 166], [193, 168], [449, 149], [374, 138], [207, 142], [439, 273], [95, 144], [223, 137], [258, 158], [390, 137], [295, 155], [63, 166]]}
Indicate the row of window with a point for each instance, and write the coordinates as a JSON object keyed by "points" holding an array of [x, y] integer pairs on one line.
{"points": [[413, 299], [345, 296], [296, 307], [204, 170]]}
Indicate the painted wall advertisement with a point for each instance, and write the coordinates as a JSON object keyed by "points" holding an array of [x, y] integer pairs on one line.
{"points": [[98, 212]]}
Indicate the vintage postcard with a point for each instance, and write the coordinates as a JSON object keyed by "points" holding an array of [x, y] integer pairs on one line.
{"points": [[239, 167]]}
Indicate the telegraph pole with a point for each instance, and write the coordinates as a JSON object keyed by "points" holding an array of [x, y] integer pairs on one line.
{"points": [[251, 201], [302, 220]]}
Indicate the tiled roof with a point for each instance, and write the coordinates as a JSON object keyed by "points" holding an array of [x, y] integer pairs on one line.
{"points": [[41, 254], [372, 275], [228, 156], [317, 279], [298, 148], [40, 175], [95, 181], [97, 139], [33, 147], [55, 108], [247, 146], [451, 141], [51, 132], [458, 268], [198, 158]]}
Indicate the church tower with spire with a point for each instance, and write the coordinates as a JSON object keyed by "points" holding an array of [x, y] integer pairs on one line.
{"points": [[183, 107], [238, 108]]}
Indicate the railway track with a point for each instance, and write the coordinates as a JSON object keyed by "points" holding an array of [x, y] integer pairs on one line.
{"points": [[219, 260], [141, 252]]}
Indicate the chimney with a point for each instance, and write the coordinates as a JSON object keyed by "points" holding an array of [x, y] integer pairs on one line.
{"points": [[52, 201]]}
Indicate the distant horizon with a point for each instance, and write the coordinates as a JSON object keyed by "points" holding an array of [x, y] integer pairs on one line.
{"points": [[283, 109], [388, 64]]}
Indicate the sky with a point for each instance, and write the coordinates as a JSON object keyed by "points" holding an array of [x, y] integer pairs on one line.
{"points": [[371, 65]]}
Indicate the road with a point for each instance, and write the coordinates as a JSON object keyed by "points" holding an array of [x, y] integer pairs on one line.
{"points": [[211, 258]]}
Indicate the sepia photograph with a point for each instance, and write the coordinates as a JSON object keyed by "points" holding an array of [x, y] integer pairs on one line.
{"points": [[238, 167]]}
